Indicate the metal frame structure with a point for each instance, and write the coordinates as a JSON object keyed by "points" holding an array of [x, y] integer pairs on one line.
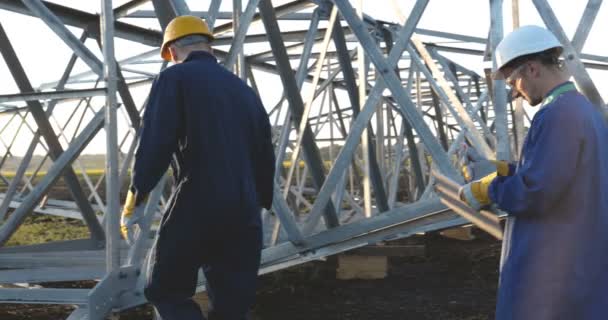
{"points": [[368, 110]]}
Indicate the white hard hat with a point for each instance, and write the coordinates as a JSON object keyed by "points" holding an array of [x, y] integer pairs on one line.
{"points": [[523, 41]]}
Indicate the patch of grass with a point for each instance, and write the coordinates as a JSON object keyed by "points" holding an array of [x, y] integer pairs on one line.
{"points": [[92, 173], [40, 229], [287, 164]]}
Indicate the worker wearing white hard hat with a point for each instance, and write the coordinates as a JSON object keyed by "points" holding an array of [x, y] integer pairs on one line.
{"points": [[555, 266]]}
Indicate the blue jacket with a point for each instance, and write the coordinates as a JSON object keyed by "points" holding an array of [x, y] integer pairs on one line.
{"points": [[216, 130], [557, 266]]}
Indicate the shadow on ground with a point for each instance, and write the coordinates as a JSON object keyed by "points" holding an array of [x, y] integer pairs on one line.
{"points": [[454, 280]]}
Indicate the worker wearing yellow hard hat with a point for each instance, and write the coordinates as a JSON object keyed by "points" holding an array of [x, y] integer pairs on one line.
{"points": [[180, 27], [214, 131]]}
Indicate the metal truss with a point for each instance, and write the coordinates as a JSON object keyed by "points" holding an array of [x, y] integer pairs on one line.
{"points": [[370, 116]]}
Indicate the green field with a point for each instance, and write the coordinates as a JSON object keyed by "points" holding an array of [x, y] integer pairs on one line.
{"points": [[44, 228]]}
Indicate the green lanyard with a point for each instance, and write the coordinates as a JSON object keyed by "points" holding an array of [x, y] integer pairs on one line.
{"points": [[558, 92]]}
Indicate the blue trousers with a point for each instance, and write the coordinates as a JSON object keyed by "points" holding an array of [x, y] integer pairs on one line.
{"points": [[230, 260]]}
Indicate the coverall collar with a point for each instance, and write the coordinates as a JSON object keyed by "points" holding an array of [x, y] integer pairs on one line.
{"points": [[200, 55], [557, 91]]}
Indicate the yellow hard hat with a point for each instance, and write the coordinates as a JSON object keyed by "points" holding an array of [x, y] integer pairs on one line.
{"points": [[180, 27]]}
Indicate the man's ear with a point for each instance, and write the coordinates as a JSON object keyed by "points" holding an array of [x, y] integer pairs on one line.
{"points": [[173, 53], [535, 69]]}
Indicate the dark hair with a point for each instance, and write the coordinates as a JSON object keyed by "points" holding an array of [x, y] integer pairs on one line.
{"points": [[549, 57]]}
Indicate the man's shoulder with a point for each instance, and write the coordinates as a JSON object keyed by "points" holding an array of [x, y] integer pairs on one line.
{"points": [[570, 111], [169, 72], [212, 73], [179, 68], [571, 105]]}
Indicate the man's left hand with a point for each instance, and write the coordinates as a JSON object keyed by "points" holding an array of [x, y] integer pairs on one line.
{"points": [[132, 214]]}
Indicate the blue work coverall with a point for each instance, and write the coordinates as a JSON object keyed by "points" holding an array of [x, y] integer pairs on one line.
{"points": [[557, 264], [216, 134]]}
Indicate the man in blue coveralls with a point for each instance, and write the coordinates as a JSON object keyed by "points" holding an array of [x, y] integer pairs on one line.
{"points": [[215, 132], [556, 266]]}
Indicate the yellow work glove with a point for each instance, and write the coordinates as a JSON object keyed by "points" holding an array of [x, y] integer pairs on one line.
{"points": [[502, 168], [474, 166], [132, 213], [475, 193], [475, 169]]}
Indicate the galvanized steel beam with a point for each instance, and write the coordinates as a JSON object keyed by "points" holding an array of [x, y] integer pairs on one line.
{"points": [[112, 216], [311, 151], [52, 95], [124, 9], [503, 147], [585, 24], [393, 83], [357, 128], [55, 148], [351, 87], [61, 165], [581, 76]]}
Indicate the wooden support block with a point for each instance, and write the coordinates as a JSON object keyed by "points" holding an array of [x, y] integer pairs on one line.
{"points": [[361, 267], [461, 233], [203, 300], [390, 250]]}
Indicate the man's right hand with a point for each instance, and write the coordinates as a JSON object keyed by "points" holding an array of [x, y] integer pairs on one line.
{"points": [[474, 166], [477, 169], [132, 213]]}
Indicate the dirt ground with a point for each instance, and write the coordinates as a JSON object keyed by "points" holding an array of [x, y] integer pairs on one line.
{"points": [[454, 280]]}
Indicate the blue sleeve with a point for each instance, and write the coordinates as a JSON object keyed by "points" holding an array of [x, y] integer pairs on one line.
{"points": [[264, 160], [512, 168], [159, 134], [550, 164]]}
